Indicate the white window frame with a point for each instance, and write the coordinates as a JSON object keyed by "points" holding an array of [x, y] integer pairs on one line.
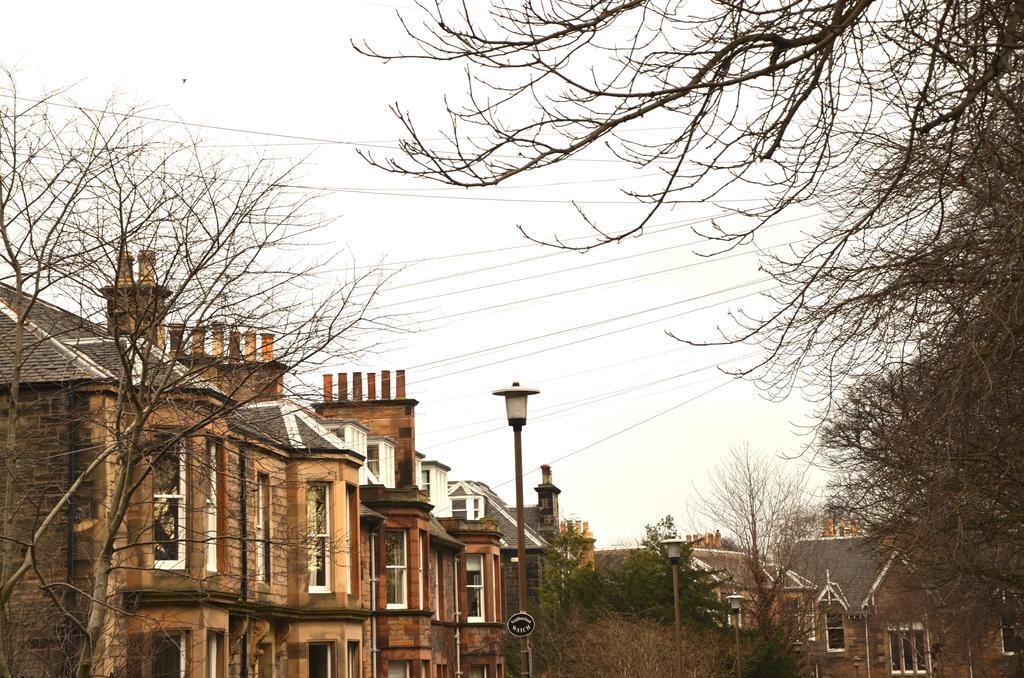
{"points": [[373, 461], [423, 571], [211, 505], [262, 528], [478, 672], [398, 571], [425, 480], [474, 506], [481, 588], [828, 637], [318, 540], [179, 562], [353, 660], [214, 640]]}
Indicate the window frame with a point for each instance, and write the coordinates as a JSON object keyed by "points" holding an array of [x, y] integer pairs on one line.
{"points": [[214, 662], [318, 538], [481, 589], [397, 572], [917, 636], [474, 506], [263, 520], [212, 459], [405, 663], [829, 628], [179, 562], [181, 644]]}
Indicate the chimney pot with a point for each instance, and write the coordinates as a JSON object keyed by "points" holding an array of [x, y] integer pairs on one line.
{"points": [[342, 385], [177, 332], [357, 386], [545, 474], [147, 267], [198, 341], [328, 387], [235, 344], [123, 275], [385, 384], [371, 385], [217, 341], [400, 384], [267, 347], [250, 345]]}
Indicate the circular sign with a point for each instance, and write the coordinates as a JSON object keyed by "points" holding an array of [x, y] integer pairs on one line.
{"points": [[521, 624]]}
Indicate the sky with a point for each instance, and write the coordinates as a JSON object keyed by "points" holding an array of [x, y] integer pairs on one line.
{"points": [[631, 420]]}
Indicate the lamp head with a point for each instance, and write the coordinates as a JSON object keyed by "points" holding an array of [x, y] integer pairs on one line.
{"points": [[675, 549], [515, 402]]}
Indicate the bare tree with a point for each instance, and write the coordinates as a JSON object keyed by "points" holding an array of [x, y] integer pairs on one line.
{"points": [[219, 253], [766, 508], [884, 114]]}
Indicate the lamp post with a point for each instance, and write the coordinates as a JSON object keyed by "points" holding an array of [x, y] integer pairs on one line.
{"points": [[735, 605], [675, 552], [515, 409]]}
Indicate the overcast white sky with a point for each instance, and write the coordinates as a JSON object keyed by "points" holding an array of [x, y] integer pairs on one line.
{"points": [[290, 70]]}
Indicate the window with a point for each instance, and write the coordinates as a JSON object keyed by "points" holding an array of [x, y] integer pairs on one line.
{"points": [[835, 634], [211, 505], [468, 508], [421, 582], [1010, 633], [475, 588], [425, 668], [437, 585], [263, 527], [168, 472], [318, 525], [353, 538], [396, 565], [425, 482], [214, 659], [265, 663], [373, 459], [478, 672], [169, 655], [320, 660], [495, 569], [398, 669], [354, 665], [908, 649]]}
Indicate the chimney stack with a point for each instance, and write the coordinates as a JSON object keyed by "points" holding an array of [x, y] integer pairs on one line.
{"points": [[385, 385], [177, 332], [124, 277], [328, 387]]}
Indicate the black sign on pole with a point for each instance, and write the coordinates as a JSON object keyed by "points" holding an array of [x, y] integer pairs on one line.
{"points": [[521, 624]]}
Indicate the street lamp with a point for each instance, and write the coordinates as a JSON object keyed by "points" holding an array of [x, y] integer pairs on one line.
{"points": [[515, 409], [735, 605], [675, 552]]}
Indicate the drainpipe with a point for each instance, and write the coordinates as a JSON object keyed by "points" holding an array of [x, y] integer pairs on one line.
{"points": [[373, 602], [867, 647], [458, 624], [244, 526]]}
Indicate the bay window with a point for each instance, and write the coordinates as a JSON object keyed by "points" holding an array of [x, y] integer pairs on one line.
{"points": [[396, 564], [168, 471], [318, 526], [475, 588]]}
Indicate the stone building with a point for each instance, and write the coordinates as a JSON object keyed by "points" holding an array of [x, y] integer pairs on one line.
{"points": [[871, 615], [262, 537]]}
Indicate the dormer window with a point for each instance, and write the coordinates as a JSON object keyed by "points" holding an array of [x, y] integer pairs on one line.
{"points": [[468, 508], [835, 633]]}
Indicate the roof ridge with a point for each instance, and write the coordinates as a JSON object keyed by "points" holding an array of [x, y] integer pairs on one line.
{"points": [[83, 361]]}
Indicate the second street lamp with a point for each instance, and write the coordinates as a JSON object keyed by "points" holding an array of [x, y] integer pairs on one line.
{"points": [[675, 553], [736, 606], [515, 409]]}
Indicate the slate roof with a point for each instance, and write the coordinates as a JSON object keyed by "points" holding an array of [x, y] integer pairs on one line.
{"points": [[286, 424], [503, 515], [852, 563], [438, 532]]}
